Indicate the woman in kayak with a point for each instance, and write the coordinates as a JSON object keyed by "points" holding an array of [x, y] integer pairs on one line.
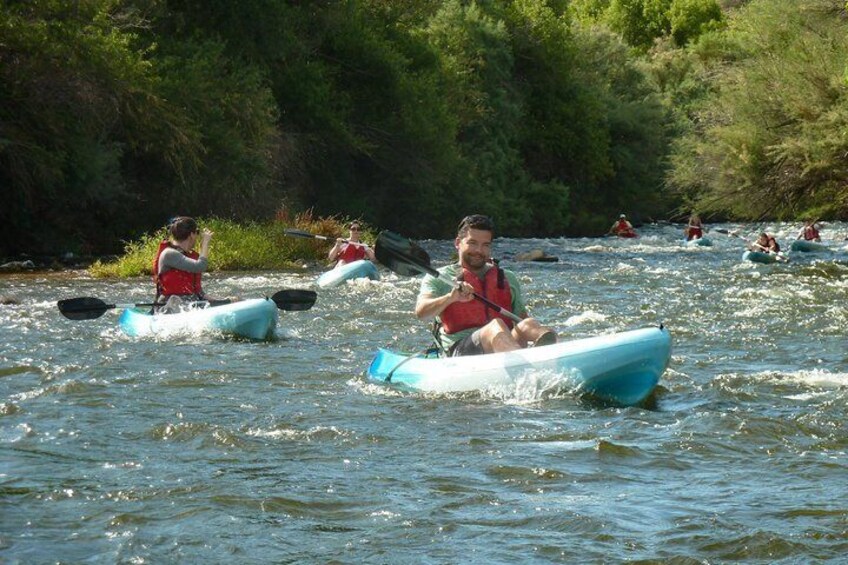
{"points": [[695, 229], [809, 232], [177, 267], [623, 228], [766, 243], [467, 326], [351, 250]]}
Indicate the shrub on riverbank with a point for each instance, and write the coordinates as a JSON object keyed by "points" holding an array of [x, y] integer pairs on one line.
{"points": [[237, 247]]}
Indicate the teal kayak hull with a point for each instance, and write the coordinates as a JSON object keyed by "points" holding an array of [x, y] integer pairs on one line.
{"points": [[699, 242], [252, 319], [622, 368], [759, 257], [809, 246], [349, 271]]}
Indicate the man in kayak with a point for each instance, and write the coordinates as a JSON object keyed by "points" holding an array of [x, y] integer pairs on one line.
{"points": [[809, 232], [695, 229], [177, 267], [623, 228], [350, 250], [469, 327]]}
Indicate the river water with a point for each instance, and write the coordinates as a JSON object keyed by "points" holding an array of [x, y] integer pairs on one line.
{"points": [[205, 449]]}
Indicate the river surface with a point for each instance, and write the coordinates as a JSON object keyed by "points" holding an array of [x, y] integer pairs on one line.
{"points": [[202, 449]]}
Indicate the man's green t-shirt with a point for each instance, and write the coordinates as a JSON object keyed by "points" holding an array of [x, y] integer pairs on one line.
{"points": [[433, 287]]}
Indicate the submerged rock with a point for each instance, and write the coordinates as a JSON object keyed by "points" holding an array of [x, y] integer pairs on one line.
{"points": [[17, 266]]}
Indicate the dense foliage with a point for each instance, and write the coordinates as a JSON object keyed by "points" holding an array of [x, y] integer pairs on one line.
{"points": [[768, 133], [551, 115]]}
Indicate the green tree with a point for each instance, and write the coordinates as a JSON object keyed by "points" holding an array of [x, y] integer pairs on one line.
{"points": [[770, 142]]}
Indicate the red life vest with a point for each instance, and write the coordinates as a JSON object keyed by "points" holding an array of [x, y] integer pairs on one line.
{"points": [[474, 314], [351, 253], [173, 281], [811, 233], [695, 232]]}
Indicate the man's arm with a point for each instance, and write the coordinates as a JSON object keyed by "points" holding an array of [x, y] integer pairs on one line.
{"points": [[436, 295]]}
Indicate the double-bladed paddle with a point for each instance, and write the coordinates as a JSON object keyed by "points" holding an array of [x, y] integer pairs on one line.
{"points": [[89, 308], [305, 234], [408, 259]]}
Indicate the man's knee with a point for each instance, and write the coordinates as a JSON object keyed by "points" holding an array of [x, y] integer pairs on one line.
{"points": [[495, 327]]}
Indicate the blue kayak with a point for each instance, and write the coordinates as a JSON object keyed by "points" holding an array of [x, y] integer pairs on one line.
{"points": [[809, 246], [621, 368], [349, 271], [253, 319]]}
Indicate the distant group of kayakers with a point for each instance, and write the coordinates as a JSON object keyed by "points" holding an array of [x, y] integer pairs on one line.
{"points": [[695, 230]]}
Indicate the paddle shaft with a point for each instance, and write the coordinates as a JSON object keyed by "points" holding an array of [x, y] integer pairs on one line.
{"points": [[88, 308], [301, 233]]}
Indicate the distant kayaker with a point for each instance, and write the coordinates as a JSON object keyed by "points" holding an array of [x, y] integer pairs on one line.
{"points": [[809, 232], [177, 267], [622, 228], [467, 326], [350, 250], [766, 243], [695, 229]]}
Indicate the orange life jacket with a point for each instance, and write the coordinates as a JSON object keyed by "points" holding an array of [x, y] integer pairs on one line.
{"points": [[474, 314], [351, 253], [173, 281]]}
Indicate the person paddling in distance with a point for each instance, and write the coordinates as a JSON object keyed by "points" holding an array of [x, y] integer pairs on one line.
{"points": [[695, 229], [177, 267], [469, 327], [622, 228], [766, 243], [809, 232], [344, 252]]}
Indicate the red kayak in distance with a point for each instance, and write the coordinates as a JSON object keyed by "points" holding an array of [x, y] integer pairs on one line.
{"points": [[627, 234]]}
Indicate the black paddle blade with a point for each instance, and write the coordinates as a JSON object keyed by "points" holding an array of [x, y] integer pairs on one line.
{"points": [[82, 308], [299, 233], [294, 299], [402, 256]]}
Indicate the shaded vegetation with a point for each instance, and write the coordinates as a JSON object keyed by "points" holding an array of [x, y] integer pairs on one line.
{"points": [[551, 115]]}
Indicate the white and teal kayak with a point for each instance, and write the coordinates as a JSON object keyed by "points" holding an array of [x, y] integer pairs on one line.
{"points": [[699, 242], [809, 246], [760, 257], [621, 368], [253, 319], [354, 270]]}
